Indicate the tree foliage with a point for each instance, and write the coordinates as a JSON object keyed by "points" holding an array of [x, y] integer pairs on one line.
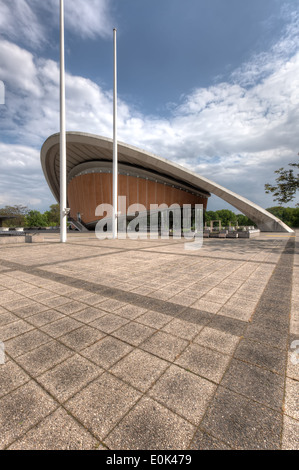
{"points": [[53, 215], [36, 219], [289, 215], [287, 185], [18, 211], [227, 217]]}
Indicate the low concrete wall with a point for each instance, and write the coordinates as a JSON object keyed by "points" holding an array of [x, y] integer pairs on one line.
{"points": [[12, 240], [38, 238], [249, 233]]}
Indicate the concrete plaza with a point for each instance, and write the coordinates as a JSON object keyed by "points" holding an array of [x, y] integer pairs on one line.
{"points": [[123, 344]]}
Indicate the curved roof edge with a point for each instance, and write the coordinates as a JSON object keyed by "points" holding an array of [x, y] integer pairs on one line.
{"points": [[50, 151]]}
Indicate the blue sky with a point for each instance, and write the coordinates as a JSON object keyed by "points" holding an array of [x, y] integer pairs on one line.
{"points": [[210, 84]]}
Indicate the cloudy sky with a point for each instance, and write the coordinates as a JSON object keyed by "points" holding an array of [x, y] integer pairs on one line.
{"points": [[210, 84]]}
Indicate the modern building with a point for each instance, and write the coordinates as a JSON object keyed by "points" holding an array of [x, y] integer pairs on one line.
{"points": [[143, 178]]}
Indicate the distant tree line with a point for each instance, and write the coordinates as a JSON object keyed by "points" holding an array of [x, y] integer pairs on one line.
{"points": [[227, 217], [51, 218], [288, 215], [24, 217]]}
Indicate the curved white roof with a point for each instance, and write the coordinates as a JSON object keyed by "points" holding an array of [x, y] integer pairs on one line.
{"points": [[83, 148]]}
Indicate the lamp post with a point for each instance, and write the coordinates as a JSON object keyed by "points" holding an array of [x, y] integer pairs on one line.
{"points": [[115, 163], [63, 211]]}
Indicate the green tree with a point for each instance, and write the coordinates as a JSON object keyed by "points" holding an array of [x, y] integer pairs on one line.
{"points": [[226, 216], [287, 185], [244, 220], [211, 215], [36, 219], [53, 215], [17, 211], [289, 215]]}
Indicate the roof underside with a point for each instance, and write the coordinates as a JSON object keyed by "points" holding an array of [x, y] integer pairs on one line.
{"points": [[92, 148], [83, 148]]}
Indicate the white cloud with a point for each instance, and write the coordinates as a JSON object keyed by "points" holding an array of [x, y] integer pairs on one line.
{"points": [[20, 20], [21, 178], [232, 133], [89, 18]]}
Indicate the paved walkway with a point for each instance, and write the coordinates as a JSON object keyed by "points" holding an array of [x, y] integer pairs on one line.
{"points": [[145, 345]]}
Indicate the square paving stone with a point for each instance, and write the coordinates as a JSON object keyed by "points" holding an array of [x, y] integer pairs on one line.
{"points": [[196, 317], [69, 377], [107, 352], [81, 338], [22, 409], [15, 305], [154, 319], [139, 369], [43, 358], [205, 362], [11, 377], [290, 434], [292, 369], [131, 311], [240, 309], [256, 383], [183, 329], [109, 323], [7, 317], [111, 305], [184, 393], [41, 319], [164, 345], [79, 294], [104, 409], [292, 398], [271, 320], [182, 299], [134, 333], [241, 423], [14, 329], [59, 431], [261, 355], [70, 308], [160, 294], [89, 314], [206, 306], [55, 301], [30, 310], [26, 342], [203, 441], [93, 299], [61, 327], [274, 338], [44, 296], [219, 340], [228, 325], [150, 426]]}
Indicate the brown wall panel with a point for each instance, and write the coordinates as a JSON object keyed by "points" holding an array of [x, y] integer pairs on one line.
{"points": [[151, 193], [122, 185], [86, 192], [142, 191], [133, 190]]}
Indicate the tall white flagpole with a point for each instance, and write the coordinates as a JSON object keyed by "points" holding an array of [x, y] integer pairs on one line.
{"points": [[63, 214], [115, 165]]}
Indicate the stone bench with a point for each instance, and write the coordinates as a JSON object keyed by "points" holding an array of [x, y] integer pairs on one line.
{"points": [[35, 238]]}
